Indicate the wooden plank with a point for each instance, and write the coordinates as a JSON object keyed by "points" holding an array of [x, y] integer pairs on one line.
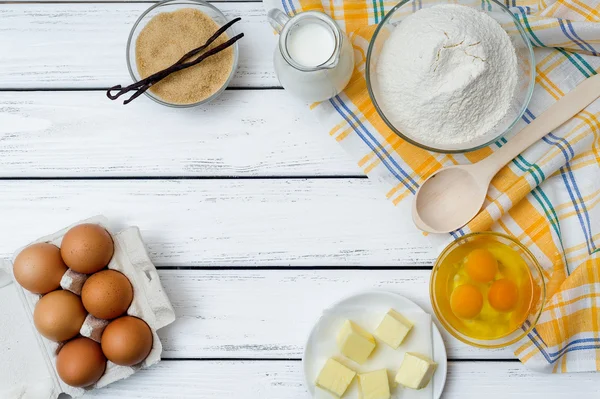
{"points": [[269, 313], [243, 133], [148, 2], [83, 45], [213, 222], [284, 380]]}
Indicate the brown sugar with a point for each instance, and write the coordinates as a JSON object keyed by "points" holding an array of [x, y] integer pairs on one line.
{"points": [[165, 39]]}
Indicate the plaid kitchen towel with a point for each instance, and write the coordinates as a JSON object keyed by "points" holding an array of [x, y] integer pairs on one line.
{"points": [[548, 197]]}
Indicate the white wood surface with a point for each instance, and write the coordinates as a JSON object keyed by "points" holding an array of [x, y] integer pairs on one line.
{"points": [[242, 133], [283, 380], [269, 313], [83, 45], [56, 143], [249, 222]]}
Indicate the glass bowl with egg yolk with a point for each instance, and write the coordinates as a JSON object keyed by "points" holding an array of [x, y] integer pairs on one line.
{"points": [[487, 289]]}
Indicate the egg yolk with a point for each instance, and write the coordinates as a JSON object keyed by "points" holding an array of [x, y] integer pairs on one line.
{"points": [[466, 301], [481, 265], [503, 295]]}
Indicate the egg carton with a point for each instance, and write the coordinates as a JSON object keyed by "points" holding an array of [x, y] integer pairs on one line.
{"points": [[150, 303]]}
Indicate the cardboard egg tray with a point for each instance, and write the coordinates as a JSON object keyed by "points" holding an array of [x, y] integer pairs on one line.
{"points": [[150, 303]]}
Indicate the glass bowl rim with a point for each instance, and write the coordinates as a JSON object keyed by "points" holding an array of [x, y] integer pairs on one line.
{"points": [[389, 124], [191, 3], [451, 329]]}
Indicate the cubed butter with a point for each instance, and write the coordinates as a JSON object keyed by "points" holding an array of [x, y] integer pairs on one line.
{"points": [[355, 342], [415, 371], [393, 329], [335, 377], [374, 385]]}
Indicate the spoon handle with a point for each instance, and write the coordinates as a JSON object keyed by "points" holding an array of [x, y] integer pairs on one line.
{"points": [[558, 113]]}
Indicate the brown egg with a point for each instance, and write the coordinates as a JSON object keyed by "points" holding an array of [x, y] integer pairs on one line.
{"points": [[87, 248], [126, 341], [107, 294], [39, 268], [80, 362], [59, 315]]}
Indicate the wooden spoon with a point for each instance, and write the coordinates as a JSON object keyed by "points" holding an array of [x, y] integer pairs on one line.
{"points": [[453, 196]]}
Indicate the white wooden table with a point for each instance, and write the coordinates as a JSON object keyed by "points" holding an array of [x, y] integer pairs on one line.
{"points": [[256, 218]]}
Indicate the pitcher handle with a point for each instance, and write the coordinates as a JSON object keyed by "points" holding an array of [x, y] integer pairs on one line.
{"points": [[277, 19]]}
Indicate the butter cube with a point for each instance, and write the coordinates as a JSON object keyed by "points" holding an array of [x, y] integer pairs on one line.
{"points": [[355, 343], [415, 371], [335, 377], [393, 329], [374, 385]]}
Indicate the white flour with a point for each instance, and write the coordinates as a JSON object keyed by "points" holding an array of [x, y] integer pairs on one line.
{"points": [[447, 75]]}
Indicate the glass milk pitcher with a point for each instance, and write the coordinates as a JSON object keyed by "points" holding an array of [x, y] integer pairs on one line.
{"points": [[314, 60]]}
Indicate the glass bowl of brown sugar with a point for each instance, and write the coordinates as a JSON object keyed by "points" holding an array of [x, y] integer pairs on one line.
{"points": [[163, 34]]}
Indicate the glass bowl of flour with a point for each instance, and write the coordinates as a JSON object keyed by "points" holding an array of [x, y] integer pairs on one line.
{"points": [[450, 75]]}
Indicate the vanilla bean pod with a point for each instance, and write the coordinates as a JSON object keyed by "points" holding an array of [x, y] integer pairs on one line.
{"points": [[141, 86]]}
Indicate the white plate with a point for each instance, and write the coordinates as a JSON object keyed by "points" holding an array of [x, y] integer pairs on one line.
{"points": [[376, 303]]}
